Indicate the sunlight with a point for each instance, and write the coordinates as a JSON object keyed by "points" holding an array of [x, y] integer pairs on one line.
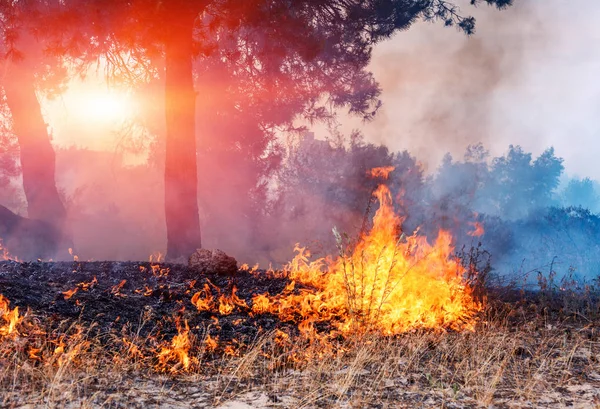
{"points": [[102, 106], [90, 114]]}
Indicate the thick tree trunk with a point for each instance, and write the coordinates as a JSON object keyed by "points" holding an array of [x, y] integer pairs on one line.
{"points": [[181, 183], [38, 159]]}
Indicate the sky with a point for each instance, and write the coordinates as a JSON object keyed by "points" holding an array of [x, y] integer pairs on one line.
{"points": [[529, 77]]}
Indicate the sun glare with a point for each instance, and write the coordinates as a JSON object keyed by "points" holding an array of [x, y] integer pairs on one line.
{"points": [[104, 106], [90, 114]]}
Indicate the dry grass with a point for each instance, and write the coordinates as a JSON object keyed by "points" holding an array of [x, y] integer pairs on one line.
{"points": [[518, 357]]}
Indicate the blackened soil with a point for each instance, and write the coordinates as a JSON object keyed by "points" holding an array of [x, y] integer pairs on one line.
{"points": [[146, 298]]}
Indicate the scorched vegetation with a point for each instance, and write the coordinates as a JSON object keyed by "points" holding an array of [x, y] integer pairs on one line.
{"points": [[392, 321]]}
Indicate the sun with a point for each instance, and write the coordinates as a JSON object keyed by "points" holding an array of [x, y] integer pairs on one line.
{"points": [[90, 114], [104, 106]]}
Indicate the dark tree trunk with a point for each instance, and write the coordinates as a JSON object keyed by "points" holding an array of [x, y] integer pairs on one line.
{"points": [[38, 160], [181, 181]]}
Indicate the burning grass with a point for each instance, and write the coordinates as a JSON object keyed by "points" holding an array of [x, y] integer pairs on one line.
{"points": [[391, 321], [522, 354]]}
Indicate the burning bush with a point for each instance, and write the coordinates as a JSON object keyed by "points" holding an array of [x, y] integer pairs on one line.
{"points": [[387, 282]]}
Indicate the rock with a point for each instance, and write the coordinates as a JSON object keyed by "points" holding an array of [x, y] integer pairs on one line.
{"points": [[212, 262]]}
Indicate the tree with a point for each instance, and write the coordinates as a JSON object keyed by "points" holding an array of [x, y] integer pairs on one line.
{"points": [[29, 69], [519, 184], [9, 162], [322, 34], [581, 192]]}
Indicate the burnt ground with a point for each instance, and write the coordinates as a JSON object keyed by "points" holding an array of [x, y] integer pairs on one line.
{"points": [[530, 349], [116, 294]]}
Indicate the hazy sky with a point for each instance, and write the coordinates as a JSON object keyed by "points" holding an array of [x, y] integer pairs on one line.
{"points": [[529, 76]]}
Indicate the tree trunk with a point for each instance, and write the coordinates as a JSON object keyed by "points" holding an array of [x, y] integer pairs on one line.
{"points": [[38, 159], [181, 181]]}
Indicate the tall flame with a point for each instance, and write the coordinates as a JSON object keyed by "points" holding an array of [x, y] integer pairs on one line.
{"points": [[389, 282], [9, 317]]}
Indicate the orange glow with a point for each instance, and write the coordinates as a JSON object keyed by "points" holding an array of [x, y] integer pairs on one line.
{"points": [[228, 304]]}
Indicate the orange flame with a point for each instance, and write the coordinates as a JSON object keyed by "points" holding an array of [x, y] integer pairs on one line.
{"points": [[70, 293], [210, 343], [203, 299], [381, 172], [10, 317], [391, 283], [5, 254], [477, 229], [228, 304], [177, 351]]}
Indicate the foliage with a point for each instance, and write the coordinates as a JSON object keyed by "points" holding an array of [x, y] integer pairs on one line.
{"points": [[9, 165], [581, 192]]}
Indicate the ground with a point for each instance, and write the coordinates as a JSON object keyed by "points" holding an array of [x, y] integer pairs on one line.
{"points": [[112, 343]]}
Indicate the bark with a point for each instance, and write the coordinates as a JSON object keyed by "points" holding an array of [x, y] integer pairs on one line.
{"points": [[38, 159], [181, 180]]}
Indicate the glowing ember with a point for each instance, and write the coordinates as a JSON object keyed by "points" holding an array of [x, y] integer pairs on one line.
{"points": [[389, 282]]}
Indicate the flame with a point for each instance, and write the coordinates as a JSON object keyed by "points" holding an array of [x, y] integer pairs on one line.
{"points": [[381, 172], [157, 257], [5, 254], [34, 354], [477, 229], [10, 317], [228, 304], [260, 304], [210, 343], [84, 286], [75, 257], [388, 282], [116, 289], [70, 293], [203, 299], [177, 351]]}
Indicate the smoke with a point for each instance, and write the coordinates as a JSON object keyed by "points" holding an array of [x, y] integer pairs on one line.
{"points": [[526, 77]]}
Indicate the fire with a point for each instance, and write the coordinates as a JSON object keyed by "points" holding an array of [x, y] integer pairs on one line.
{"points": [[203, 299], [381, 172], [10, 317], [177, 351], [478, 229], [228, 304], [70, 293], [5, 254], [388, 282], [75, 257]]}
